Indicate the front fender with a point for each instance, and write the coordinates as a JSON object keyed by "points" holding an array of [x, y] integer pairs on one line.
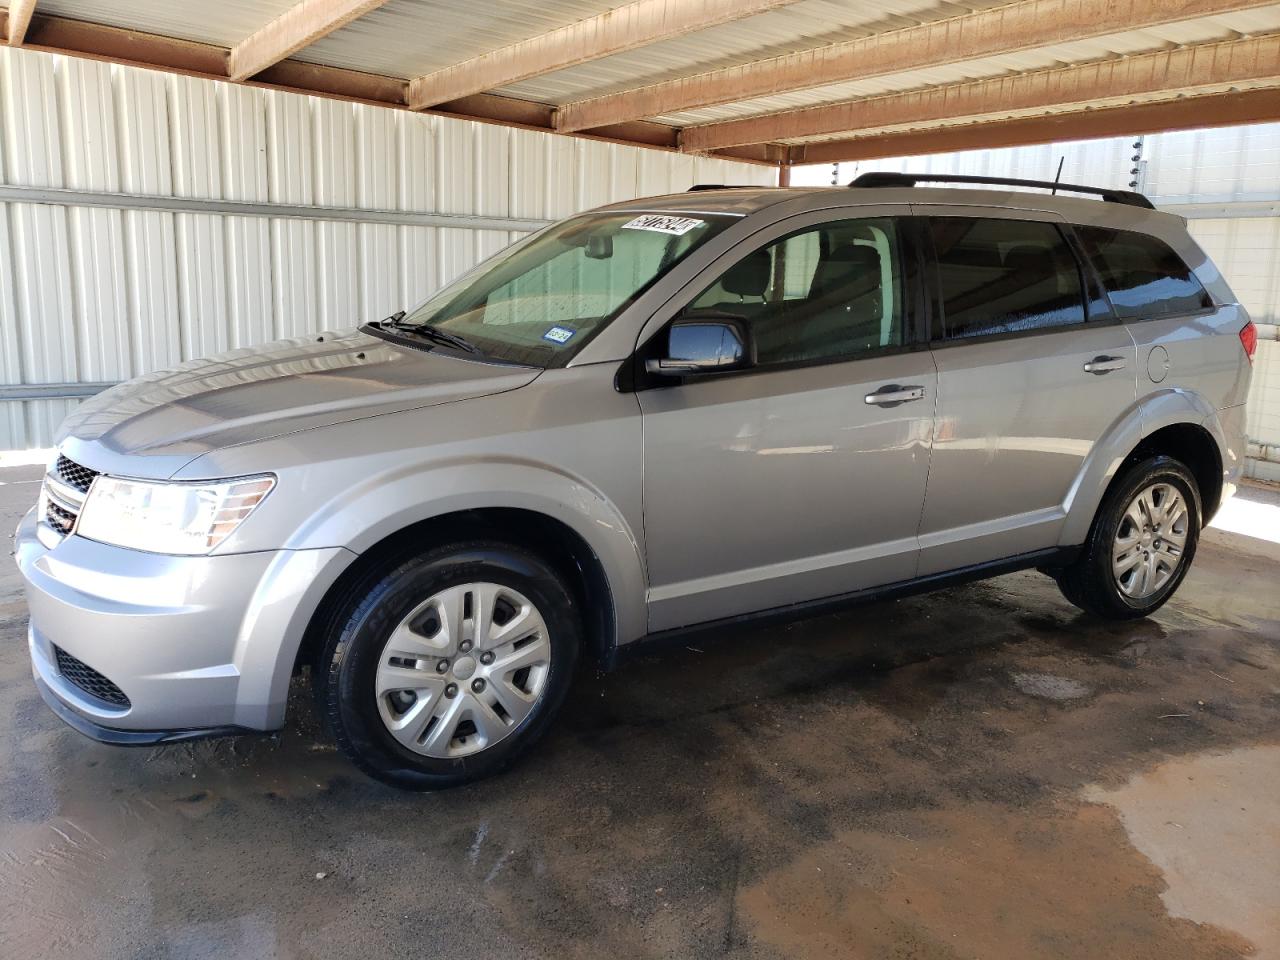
{"points": [[1155, 411], [362, 515]]}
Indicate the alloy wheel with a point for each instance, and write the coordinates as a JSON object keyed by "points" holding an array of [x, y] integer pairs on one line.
{"points": [[1150, 542]]}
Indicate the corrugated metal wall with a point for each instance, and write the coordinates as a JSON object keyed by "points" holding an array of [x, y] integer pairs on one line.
{"points": [[1226, 182], [94, 294]]}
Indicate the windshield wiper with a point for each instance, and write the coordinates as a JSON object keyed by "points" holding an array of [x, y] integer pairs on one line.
{"points": [[440, 336], [434, 334]]}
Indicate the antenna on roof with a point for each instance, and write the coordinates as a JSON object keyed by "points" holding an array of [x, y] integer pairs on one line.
{"points": [[1057, 177]]}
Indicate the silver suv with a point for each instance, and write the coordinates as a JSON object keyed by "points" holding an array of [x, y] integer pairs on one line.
{"points": [[653, 417]]}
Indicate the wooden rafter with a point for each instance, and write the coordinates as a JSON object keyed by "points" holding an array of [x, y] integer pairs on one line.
{"points": [[1011, 28], [299, 26], [95, 41], [20, 12], [615, 31], [1187, 113], [1198, 68], [1209, 68]]}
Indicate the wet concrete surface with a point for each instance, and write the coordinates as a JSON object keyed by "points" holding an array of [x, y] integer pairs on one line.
{"points": [[977, 773]]}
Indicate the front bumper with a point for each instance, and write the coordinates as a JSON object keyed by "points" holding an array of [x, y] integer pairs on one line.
{"points": [[198, 645], [123, 738]]}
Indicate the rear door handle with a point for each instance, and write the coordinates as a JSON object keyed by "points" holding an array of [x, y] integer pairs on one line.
{"points": [[1104, 364], [893, 394]]}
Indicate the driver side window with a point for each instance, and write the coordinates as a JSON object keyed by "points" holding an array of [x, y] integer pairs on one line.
{"points": [[828, 292]]}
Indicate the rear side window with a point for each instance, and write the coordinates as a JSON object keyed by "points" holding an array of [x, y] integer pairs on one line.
{"points": [[1004, 276], [1143, 276]]}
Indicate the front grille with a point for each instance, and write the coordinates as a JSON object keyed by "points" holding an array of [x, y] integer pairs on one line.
{"points": [[65, 487], [72, 474], [89, 680]]}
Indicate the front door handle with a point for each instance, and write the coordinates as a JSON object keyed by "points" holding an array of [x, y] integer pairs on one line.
{"points": [[893, 394], [1104, 364]]}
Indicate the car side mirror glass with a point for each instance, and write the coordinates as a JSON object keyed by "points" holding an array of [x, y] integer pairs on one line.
{"points": [[704, 344]]}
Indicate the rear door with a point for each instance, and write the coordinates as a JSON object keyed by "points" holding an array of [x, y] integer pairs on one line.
{"points": [[1032, 371], [802, 478]]}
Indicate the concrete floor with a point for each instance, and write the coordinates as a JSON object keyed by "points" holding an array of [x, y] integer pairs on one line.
{"points": [[978, 773]]}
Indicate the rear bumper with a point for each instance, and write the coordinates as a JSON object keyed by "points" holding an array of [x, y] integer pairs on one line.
{"points": [[1233, 446], [197, 645]]}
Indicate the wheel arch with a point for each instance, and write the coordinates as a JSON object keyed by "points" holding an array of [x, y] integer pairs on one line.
{"points": [[1193, 446], [1175, 423], [555, 541]]}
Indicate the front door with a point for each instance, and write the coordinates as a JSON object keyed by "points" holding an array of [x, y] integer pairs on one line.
{"points": [[802, 478]]}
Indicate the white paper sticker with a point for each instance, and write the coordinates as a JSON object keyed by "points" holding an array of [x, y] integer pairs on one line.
{"points": [[663, 223], [559, 334]]}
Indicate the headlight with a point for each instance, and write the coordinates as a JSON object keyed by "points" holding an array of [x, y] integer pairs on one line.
{"points": [[169, 517]]}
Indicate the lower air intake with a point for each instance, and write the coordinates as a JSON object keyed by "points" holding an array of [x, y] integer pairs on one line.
{"points": [[89, 680]]}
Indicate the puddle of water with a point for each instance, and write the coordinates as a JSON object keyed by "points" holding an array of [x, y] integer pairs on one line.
{"points": [[1211, 824], [980, 880]]}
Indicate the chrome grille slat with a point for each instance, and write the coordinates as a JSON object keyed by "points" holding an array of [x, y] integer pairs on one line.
{"points": [[66, 497]]}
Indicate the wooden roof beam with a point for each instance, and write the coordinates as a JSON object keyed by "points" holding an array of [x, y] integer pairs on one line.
{"points": [[298, 27], [20, 12], [1018, 26], [1184, 113], [96, 41], [1197, 68], [615, 31]]}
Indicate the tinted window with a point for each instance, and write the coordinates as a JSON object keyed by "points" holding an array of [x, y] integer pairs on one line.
{"points": [[1143, 276], [1004, 276], [826, 292]]}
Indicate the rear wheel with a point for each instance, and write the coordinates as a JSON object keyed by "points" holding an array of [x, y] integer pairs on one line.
{"points": [[449, 666], [1141, 545]]}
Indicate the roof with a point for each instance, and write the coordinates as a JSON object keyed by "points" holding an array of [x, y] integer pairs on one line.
{"points": [[744, 201], [773, 81]]}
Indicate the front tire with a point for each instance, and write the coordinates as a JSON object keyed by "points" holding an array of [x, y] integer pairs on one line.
{"points": [[446, 667], [1141, 545]]}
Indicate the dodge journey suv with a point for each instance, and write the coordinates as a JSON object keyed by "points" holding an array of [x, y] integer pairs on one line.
{"points": [[654, 417]]}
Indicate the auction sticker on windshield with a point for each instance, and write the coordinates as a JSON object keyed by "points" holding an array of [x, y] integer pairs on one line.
{"points": [[662, 223], [559, 334]]}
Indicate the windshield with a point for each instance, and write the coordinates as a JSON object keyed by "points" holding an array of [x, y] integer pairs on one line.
{"points": [[540, 301]]}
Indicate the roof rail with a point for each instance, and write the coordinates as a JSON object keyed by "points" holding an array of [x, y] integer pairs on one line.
{"points": [[697, 187], [885, 178]]}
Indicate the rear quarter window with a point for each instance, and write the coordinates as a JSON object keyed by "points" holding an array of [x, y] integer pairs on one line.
{"points": [[1143, 276]]}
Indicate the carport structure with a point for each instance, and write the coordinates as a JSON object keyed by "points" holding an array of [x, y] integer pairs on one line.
{"points": [[180, 178], [778, 82]]}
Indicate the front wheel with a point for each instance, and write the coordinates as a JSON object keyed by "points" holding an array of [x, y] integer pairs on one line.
{"points": [[447, 667], [1141, 545]]}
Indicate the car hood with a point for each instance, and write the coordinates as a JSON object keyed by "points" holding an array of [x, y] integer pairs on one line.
{"points": [[154, 425]]}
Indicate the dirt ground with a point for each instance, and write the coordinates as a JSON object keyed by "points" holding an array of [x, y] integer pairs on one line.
{"points": [[976, 773]]}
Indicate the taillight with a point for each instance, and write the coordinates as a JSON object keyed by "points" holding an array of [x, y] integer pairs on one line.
{"points": [[1249, 340]]}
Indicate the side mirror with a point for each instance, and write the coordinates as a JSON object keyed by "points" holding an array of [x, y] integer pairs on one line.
{"points": [[706, 343]]}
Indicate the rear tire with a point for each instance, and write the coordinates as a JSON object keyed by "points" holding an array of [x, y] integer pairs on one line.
{"points": [[446, 667], [1141, 544]]}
